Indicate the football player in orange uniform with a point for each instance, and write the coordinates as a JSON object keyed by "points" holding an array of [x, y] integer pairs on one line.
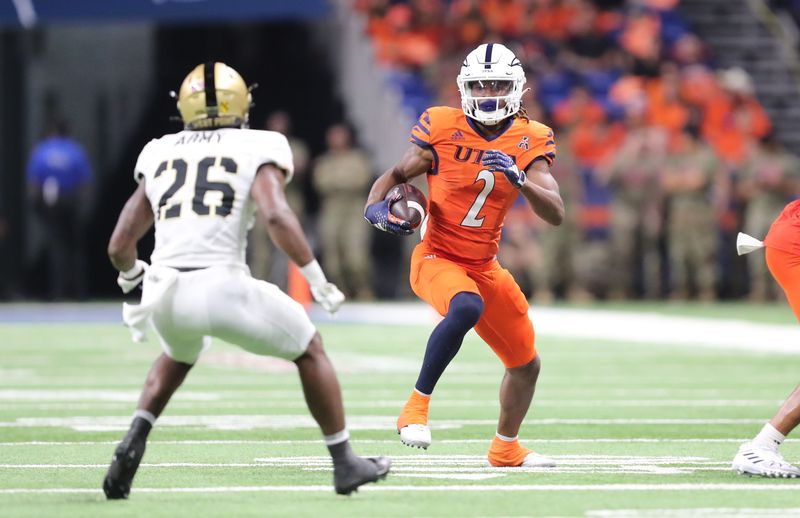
{"points": [[760, 456], [478, 160]]}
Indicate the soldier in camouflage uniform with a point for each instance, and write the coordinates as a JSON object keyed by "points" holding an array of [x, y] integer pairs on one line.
{"points": [[634, 177], [558, 246], [341, 175], [688, 181]]}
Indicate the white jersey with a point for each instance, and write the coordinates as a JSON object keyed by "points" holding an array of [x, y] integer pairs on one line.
{"points": [[198, 184]]}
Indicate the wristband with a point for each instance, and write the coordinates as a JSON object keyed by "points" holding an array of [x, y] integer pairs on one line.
{"points": [[313, 273], [138, 268]]}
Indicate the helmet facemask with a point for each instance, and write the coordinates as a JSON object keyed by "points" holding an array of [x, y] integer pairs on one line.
{"points": [[490, 109]]}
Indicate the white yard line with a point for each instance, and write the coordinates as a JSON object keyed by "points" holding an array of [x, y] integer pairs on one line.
{"points": [[258, 442], [697, 511], [286, 422], [738, 487], [18, 395], [455, 467], [219, 402]]}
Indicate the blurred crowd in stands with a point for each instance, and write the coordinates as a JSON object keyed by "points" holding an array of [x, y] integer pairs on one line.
{"points": [[662, 157]]}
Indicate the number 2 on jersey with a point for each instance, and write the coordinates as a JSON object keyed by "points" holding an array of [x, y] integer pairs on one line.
{"points": [[472, 219], [202, 185]]}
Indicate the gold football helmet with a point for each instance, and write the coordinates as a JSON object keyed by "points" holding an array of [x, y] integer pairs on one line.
{"points": [[214, 95]]}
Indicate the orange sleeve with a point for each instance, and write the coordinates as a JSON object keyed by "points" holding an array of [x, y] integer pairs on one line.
{"points": [[541, 145], [421, 131]]}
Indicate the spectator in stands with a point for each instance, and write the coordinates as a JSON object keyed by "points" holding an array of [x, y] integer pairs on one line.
{"points": [[59, 178], [267, 262], [343, 174], [734, 118], [687, 181], [768, 181]]}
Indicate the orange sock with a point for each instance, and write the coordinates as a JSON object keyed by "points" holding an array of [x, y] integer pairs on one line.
{"points": [[505, 453], [415, 410]]}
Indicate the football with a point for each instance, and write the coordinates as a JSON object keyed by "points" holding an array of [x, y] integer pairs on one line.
{"points": [[410, 205]]}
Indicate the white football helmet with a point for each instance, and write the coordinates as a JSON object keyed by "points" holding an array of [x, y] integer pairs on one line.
{"points": [[496, 63]]}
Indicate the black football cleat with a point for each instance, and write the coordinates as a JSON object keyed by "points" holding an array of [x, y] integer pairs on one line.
{"points": [[360, 471], [117, 484]]}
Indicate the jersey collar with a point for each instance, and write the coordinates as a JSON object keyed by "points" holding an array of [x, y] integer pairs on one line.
{"points": [[509, 122]]}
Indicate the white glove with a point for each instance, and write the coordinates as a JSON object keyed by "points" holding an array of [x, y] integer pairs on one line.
{"points": [[325, 293], [129, 279], [328, 296]]}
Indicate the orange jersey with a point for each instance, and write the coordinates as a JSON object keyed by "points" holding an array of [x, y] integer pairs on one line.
{"points": [[784, 234], [467, 203]]}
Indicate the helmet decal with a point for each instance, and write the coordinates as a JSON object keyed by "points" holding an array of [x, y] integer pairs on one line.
{"points": [[210, 89]]}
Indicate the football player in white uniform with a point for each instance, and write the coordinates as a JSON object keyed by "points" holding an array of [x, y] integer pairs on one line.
{"points": [[201, 187]]}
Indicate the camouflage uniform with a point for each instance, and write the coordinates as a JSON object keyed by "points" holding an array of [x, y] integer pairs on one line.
{"points": [[635, 214], [341, 179], [691, 224], [558, 246]]}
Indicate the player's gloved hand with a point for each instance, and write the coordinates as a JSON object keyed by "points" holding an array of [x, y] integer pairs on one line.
{"points": [[379, 215], [132, 278], [328, 296], [499, 161], [325, 293]]}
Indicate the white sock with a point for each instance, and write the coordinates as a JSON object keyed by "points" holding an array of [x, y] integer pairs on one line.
{"points": [[147, 416], [421, 393], [337, 437], [769, 437], [505, 438]]}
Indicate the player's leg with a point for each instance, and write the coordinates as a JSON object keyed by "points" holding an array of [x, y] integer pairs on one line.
{"points": [[324, 400], [281, 328], [506, 327], [182, 344], [761, 456], [446, 287], [164, 378]]}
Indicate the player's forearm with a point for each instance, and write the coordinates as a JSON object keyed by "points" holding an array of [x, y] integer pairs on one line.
{"points": [[382, 185], [122, 259], [134, 221], [547, 204], [287, 234]]}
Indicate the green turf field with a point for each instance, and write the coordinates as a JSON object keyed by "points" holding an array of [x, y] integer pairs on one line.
{"points": [[639, 424]]}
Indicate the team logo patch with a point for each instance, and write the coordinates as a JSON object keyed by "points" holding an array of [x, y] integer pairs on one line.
{"points": [[457, 135], [523, 144]]}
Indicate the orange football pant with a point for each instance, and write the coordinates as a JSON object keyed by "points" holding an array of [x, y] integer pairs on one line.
{"points": [[504, 325], [785, 267]]}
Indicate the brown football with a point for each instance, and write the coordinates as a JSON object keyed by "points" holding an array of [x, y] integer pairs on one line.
{"points": [[411, 204]]}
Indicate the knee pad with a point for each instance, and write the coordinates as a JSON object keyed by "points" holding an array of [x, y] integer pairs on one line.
{"points": [[467, 307]]}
